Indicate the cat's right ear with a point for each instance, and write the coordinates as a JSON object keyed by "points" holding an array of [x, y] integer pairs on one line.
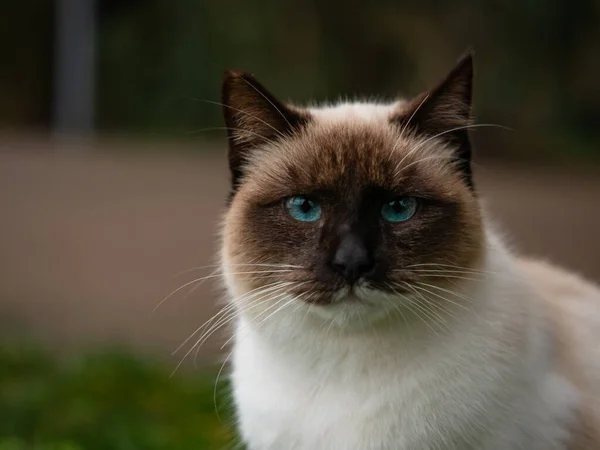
{"points": [[253, 117]]}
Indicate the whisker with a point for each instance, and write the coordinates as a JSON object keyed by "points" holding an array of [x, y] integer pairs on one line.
{"points": [[413, 308], [237, 312], [396, 307], [201, 130], [293, 299], [200, 280], [214, 275], [448, 156], [203, 338], [231, 353], [262, 277], [476, 272], [461, 296], [432, 305], [228, 307], [441, 157], [458, 270], [451, 273], [435, 312], [245, 310], [218, 266], [413, 150], [404, 128], [433, 275], [451, 266], [219, 376], [267, 309], [444, 298], [267, 99], [231, 312], [465, 127], [217, 383], [243, 112]]}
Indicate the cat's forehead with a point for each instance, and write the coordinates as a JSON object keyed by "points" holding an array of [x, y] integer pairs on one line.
{"points": [[353, 146], [360, 112]]}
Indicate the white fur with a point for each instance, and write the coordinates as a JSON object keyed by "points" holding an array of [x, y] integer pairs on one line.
{"points": [[361, 111], [489, 382]]}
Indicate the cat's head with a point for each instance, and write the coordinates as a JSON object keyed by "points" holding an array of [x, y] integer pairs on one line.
{"points": [[351, 208]]}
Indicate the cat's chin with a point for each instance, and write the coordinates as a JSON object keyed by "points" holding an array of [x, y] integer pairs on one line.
{"points": [[358, 306]]}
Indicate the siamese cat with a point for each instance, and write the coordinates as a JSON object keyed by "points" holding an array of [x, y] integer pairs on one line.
{"points": [[376, 306]]}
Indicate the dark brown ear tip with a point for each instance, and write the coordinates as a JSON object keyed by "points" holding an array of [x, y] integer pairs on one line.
{"points": [[234, 75], [233, 79], [464, 67], [231, 75], [466, 59]]}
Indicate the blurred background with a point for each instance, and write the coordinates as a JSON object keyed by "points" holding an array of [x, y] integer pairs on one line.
{"points": [[113, 178]]}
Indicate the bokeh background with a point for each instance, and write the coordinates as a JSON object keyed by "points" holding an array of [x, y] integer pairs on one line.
{"points": [[113, 178]]}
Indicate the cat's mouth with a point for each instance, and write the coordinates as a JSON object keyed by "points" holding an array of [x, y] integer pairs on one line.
{"points": [[348, 294], [367, 290], [360, 293]]}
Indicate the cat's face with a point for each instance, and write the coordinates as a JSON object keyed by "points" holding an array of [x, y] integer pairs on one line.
{"points": [[352, 206]]}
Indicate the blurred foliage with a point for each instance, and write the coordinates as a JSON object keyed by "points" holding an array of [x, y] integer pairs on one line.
{"points": [[105, 401], [537, 60]]}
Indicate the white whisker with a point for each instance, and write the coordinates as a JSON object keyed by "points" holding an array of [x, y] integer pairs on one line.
{"points": [[243, 112], [461, 296], [431, 305], [228, 308], [191, 269], [404, 128], [215, 275], [267, 309], [236, 313], [428, 158], [445, 299], [267, 99], [458, 277], [413, 307], [204, 336], [199, 280], [464, 127], [201, 130], [396, 307]]}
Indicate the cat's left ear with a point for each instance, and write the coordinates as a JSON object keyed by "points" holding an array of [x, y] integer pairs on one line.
{"points": [[445, 111], [254, 117]]}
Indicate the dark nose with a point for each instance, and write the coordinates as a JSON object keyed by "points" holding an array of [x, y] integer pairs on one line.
{"points": [[352, 259]]}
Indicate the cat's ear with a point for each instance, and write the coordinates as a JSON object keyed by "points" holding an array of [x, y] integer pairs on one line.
{"points": [[445, 111], [254, 117]]}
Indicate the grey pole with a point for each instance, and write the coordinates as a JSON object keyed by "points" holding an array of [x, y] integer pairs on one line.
{"points": [[74, 67]]}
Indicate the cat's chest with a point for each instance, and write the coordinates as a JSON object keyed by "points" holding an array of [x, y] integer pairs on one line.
{"points": [[277, 413], [283, 408]]}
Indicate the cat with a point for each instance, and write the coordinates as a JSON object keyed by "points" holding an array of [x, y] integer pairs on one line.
{"points": [[376, 306]]}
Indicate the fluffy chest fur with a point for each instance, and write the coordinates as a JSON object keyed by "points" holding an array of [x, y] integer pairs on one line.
{"points": [[491, 385]]}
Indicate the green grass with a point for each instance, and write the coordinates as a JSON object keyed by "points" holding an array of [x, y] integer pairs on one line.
{"points": [[106, 401]]}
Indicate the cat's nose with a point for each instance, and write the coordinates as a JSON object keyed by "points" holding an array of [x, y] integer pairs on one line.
{"points": [[352, 259]]}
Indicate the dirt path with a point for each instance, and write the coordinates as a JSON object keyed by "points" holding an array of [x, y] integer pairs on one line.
{"points": [[89, 244]]}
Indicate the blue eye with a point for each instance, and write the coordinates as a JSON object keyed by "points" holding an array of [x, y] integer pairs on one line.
{"points": [[399, 210], [302, 209]]}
